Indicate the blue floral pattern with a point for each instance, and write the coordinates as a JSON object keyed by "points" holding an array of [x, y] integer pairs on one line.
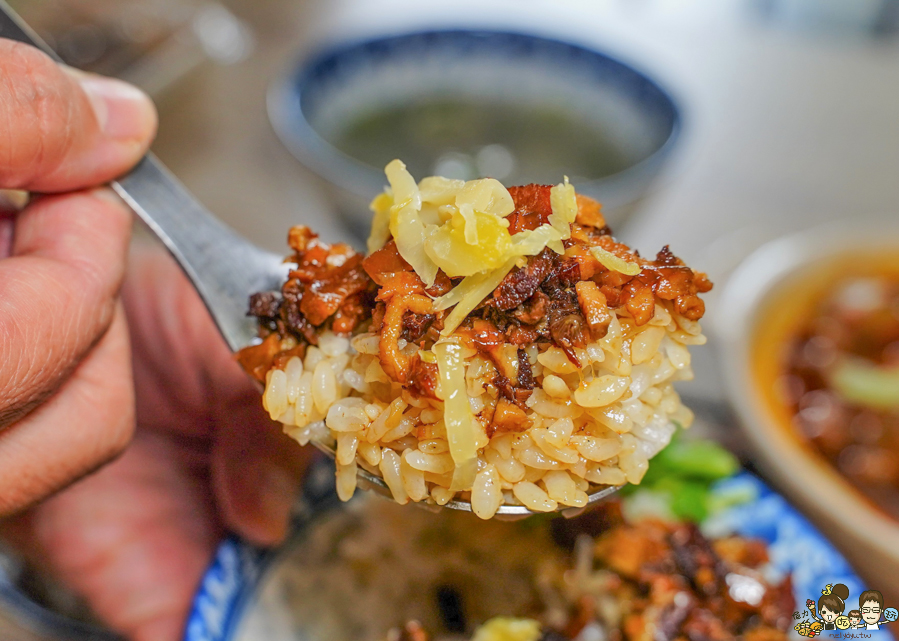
{"points": [[231, 577], [795, 547]]}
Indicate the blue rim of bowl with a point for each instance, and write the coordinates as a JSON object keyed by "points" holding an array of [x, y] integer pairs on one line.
{"points": [[286, 113], [238, 568]]}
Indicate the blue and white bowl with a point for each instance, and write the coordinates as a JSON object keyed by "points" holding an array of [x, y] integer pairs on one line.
{"points": [[242, 578], [336, 86]]}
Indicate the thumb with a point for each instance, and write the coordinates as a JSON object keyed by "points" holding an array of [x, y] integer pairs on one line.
{"points": [[65, 130]]}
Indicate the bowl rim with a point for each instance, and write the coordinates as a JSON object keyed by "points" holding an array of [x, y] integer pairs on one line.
{"points": [[813, 483], [363, 181]]}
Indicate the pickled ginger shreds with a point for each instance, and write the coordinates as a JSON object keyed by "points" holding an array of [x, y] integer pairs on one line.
{"points": [[405, 189], [563, 200], [380, 224], [473, 235], [410, 234], [487, 196], [532, 242], [468, 294], [613, 263], [439, 191], [457, 415], [447, 247], [406, 226]]}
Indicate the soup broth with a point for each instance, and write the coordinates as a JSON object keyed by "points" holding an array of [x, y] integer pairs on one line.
{"points": [[503, 140]]}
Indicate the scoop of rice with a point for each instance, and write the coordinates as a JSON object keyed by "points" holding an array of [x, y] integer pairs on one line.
{"points": [[496, 346]]}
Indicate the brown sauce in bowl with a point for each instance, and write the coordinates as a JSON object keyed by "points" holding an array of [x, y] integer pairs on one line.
{"points": [[826, 356]]}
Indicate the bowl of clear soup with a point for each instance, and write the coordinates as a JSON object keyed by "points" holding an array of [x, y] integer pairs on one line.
{"points": [[466, 104]]}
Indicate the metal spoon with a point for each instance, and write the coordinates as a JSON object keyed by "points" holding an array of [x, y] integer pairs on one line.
{"points": [[224, 267]]}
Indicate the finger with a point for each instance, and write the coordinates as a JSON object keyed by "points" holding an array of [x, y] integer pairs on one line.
{"points": [[256, 470], [7, 224], [57, 292], [133, 539], [88, 422], [63, 130], [11, 203]]}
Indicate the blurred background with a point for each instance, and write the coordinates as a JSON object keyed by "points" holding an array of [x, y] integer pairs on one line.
{"points": [[788, 110]]}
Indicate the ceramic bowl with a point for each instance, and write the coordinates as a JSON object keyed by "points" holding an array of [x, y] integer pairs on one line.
{"points": [[317, 100], [867, 536]]}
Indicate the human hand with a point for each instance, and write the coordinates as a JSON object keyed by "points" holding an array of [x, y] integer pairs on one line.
{"points": [[65, 384], [135, 538]]}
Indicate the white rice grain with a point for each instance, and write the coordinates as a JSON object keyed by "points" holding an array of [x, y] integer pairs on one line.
{"points": [[533, 498], [561, 488], [275, 397], [502, 443], [413, 479], [441, 495], [435, 463], [596, 449], [555, 360], [390, 472], [304, 405], [677, 354], [370, 452], [324, 386], [606, 475], [543, 440], [367, 344], [347, 442], [646, 344], [601, 391], [347, 415], [313, 357], [555, 387], [486, 494], [294, 372], [346, 480], [511, 469], [332, 345], [433, 446]]}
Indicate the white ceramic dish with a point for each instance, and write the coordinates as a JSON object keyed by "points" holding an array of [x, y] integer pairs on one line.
{"points": [[868, 537]]}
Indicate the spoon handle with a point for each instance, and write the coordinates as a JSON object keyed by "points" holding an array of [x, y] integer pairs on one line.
{"points": [[224, 267], [13, 27]]}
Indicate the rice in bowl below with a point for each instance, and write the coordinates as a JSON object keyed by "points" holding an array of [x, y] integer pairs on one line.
{"points": [[496, 346]]}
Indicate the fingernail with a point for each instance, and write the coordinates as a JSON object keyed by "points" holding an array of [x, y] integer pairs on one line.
{"points": [[277, 492], [123, 111]]}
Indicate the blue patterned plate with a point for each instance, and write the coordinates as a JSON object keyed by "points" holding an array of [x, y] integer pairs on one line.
{"points": [[795, 547]]}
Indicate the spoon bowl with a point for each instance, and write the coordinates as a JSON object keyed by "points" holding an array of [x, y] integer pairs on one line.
{"points": [[224, 267]]}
